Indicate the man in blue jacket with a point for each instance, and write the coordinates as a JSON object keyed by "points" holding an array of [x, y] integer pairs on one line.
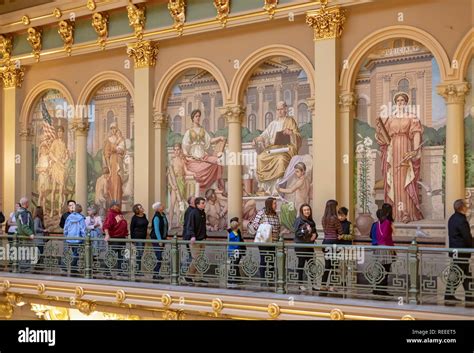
{"points": [[75, 227]]}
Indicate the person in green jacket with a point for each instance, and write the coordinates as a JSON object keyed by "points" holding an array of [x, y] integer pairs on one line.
{"points": [[25, 227]]}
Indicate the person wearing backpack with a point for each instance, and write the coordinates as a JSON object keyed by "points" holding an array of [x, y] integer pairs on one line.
{"points": [[235, 252], [267, 226]]}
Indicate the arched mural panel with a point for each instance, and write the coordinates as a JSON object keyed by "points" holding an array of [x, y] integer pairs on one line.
{"points": [[53, 154], [196, 147], [277, 138], [110, 147], [400, 137]]}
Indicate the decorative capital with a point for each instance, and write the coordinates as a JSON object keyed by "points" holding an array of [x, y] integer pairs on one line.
{"points": [[454, 93], [387, 78], [223, 10], [100, 22], [144, 53], [136, 19], [12, 75], [34, 38], [270, 7], [347, 102], [326, 22], [234, 114], [310, 104], [66, 32], [26, 133], [80, 126], [6, 46], [160, 120], [177, 9]]}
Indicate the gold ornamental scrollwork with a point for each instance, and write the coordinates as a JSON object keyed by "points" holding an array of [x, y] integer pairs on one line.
{"points": [[25, 20], [273, 310], [79, 292], [166, 300], [6, 46], [6, 285], [270, 7], [144, 53], [223, 10], [66, 32], [57, 13], [217, 305], [173, 315], [100, 23], [408, 317], [120, 296], [34, 38], [41, 288], [326, 22], [91, 5], [85, 306], [336, 314], [6, 310], [177, 9], [58, 313], [39, 310], [136, 19]]}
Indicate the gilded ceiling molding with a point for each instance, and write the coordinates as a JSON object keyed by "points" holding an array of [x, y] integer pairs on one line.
{"points": [[66, 32], [136, 19], [6, 310], [144, 53], [223, 10], [100, 23], [270, 7], [6, 46], [177, 9], [34, 38], [326, 22]]}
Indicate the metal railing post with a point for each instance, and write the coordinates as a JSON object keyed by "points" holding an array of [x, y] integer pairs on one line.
{"points": [[174, 261], [414, 282], [281, 262], [16, 251], [88, 256]]}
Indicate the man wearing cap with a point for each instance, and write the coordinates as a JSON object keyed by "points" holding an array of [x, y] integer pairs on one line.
{"points": [[115, 227]]}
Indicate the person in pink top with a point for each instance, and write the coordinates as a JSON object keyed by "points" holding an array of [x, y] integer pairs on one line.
{"points": [[384, 233]]}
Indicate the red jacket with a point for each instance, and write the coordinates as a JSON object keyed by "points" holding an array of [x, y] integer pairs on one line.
{"points": [[116, 224]]}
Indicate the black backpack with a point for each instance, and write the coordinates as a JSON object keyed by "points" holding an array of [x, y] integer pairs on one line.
{"points": [[2, 218]]}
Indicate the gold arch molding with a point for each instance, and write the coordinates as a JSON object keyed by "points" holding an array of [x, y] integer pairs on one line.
{"points": [[247, 67], [463, 55], [355, 58], [34, 94], [94, 82], [164, 87]]}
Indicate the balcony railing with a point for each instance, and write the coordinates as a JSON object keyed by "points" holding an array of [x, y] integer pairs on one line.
{"points": [[410, 274]]}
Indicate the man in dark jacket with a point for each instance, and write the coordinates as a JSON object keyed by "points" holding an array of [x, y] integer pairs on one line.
{"points": [[196, 231], [460, 237], [186, 217]]}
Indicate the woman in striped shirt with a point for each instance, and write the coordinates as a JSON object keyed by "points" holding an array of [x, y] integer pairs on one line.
{"points": [[332, 230], [267, 253]]}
